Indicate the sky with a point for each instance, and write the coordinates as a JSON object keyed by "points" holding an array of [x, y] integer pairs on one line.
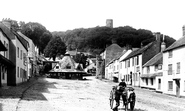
{"points": [[164, 16]]}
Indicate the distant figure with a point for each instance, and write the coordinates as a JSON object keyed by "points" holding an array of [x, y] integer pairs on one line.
{"points": [[122, 83]]}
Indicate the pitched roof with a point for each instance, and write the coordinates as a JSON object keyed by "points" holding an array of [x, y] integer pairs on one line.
{"points": [[22, 40], [157, 59], [7, 31], [177, 44], [139, 51]]}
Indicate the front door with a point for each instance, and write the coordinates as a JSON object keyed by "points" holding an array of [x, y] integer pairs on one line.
{"points": [[177, 87]]}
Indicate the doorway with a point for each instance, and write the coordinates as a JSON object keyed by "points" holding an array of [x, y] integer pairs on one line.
{"points": [[177, 81]]}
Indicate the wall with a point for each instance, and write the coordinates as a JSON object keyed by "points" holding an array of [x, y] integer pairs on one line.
{"points": [[178, 56]]}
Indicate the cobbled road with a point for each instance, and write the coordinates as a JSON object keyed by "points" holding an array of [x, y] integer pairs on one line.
{"points": [[49, 94]]}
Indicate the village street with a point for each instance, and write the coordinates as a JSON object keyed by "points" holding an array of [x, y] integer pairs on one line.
{"points": [[47, 94]]}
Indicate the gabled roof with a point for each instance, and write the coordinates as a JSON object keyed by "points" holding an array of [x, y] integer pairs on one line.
{"points": [[7, 31], [139, 51], [22, 40], [157, 59], [176, 44]]}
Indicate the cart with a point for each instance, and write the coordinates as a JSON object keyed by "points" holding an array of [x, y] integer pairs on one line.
{"points": [[130, 97]]}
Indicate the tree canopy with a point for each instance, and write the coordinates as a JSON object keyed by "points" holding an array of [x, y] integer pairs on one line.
{"points": [[38, 33], [55, 47], [96, 39]]}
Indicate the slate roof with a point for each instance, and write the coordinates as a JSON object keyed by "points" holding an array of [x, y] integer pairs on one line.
{"points": [[176, 44], [7, 31], [157, 59], [139, 51], [11, 34], [22, 40]]}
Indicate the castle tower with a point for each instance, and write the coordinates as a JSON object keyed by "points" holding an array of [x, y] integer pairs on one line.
{"points": [[109, 23]]}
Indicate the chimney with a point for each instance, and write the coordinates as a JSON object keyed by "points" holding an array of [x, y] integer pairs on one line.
{"points": [[163, 44], [157, 36], [7, 23], [183, 31]]}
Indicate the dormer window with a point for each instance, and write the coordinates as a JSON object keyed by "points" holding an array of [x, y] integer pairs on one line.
{"points": [[57, 67]]}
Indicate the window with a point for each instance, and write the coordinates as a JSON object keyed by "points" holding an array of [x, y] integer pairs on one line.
{"points": [[17, 71], [160, 67], [128, 63], [18, 52], [178, 68], [170, 54], [156, 67], [170, 85], [21, 54], [121, 65], [148, 69], [169, 69], [137, 60], [132, 61], [57, 67]]}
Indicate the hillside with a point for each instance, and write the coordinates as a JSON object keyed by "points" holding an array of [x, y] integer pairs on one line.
{"points": [[96, 39]]}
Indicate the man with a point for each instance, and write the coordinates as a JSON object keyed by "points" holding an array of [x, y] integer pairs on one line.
{"points": [[122, 83], [120, 92]]}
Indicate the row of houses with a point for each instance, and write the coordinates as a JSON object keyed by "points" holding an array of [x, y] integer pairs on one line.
{"points": [[18, 56], [154, 66]]}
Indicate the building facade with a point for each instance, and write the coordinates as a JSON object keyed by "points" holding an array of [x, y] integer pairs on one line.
{"points": [[173, 71]]}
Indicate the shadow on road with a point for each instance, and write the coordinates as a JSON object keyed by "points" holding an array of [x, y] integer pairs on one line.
{"points": [[123, 109], [1, 107], [36, 91]]}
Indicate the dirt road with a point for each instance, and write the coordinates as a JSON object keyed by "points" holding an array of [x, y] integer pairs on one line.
{"points": [[89, 95]]}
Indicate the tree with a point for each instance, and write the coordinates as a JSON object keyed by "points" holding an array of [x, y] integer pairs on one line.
{"points": [[44, 39], [34, 31], [56, 47]]}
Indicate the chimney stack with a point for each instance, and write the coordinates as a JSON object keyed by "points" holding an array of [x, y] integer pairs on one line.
{"points": [[157, 35], [7, 23], [163, 44], [183, 31]]}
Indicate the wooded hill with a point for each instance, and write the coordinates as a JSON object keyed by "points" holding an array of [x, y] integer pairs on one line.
{"points": [[96, 39]]}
